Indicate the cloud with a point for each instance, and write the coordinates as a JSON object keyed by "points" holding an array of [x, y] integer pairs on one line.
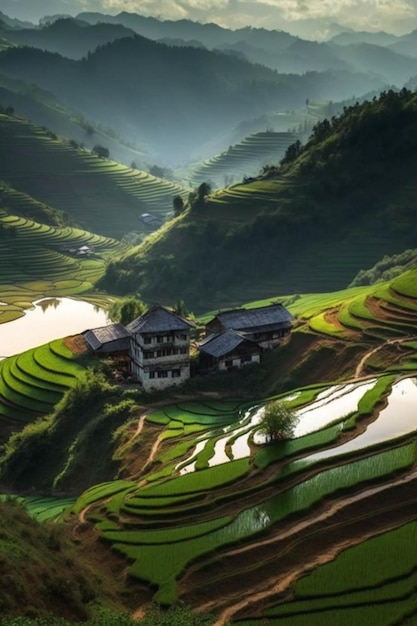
{"points": [[302, 15]]}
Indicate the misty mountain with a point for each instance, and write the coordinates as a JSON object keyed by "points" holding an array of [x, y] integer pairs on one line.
{"points": [[349, 50], [69, 37], [407, 44], [171, 100], [380, 38], [12, 23]]}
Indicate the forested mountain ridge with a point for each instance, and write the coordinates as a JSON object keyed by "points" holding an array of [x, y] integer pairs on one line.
{"points": [[160, 103], [69, 37], [335, 206]]}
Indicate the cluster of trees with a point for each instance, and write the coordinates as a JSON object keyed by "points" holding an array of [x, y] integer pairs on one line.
{"points": [[101, 151], [386, 269], [6, 110]]}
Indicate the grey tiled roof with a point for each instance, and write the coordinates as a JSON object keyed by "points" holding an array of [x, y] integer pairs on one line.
{"points": [[219, 345], [97, 337], [158, 319], [262, 317]]}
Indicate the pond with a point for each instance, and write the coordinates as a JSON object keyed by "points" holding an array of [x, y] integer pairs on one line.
{"points": [[50, 318]]}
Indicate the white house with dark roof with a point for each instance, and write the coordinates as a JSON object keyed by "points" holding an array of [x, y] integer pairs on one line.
{"points": [[266, 325], [227, 351], [160, 348]]}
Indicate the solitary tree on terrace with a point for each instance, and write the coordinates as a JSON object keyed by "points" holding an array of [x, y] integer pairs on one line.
{"points": [[278, 421]]}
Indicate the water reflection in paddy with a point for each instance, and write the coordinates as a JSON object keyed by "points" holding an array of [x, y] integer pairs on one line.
{"points": [[332, 406], [398, 418], [51, 318]]}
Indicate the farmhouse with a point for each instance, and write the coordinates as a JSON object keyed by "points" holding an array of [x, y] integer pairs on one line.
{"points": [[160, 348], [265, 325], [228, 350], [108, 339]]}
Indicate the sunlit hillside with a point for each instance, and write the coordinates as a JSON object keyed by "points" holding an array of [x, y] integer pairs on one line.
{"points": [[96, 193]]}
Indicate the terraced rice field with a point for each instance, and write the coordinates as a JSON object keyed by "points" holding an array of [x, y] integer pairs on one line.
{"points": [[38, 260], [98, 194], [32, 382], [194, 507], [384, 312], [244, 159]]}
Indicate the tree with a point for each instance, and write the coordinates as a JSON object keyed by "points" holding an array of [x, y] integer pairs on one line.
{"points": [[178, 204], [278, 421], [126, 310], [101, 151], [203, 190]]}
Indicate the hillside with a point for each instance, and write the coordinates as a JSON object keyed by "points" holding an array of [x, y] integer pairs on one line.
{"points": [[341, 203], [243, 159], [44, 109], [95, 193], [181, 98], [194, 498]]}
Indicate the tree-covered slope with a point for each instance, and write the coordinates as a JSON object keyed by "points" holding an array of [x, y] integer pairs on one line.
{"points": [[334, 207]]}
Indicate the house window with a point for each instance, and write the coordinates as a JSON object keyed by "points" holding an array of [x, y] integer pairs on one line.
{"points": [[176, 373], [229, 363], [162, 374], [151, 374], [148, 340], [159, 339]]}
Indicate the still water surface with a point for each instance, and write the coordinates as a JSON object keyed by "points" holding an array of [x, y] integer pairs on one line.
{"points": [[51, 318]]}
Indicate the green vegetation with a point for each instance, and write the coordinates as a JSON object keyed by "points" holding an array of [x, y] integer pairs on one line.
{"points": [[278, 421], [31, 383], [244, 158], [377, 572], [49, 452], [254, 229], [96, 194]]}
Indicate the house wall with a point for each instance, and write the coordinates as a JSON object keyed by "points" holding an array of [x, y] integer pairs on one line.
{"points": [[232, 361], [160, 360], [270, 339]]}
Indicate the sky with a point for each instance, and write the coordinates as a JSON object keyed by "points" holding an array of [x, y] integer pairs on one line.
{"points": [[307, 18]]}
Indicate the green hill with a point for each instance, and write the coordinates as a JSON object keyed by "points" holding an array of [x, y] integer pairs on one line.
{"points": [[96, 194], [336, 206]]}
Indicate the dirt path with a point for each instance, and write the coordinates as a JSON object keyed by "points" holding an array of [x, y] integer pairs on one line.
{"points": [[154, 450], [367, 355]]}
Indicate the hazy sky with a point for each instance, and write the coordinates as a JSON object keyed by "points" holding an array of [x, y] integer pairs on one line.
{"points": [[300, 16]]}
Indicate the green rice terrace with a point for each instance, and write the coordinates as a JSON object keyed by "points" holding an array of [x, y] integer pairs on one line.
{"points": [[244, 159], [38, 260], [34, 381], [96, 194], [319, 527]]}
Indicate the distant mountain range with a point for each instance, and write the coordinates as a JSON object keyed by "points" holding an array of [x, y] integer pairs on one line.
{"points": [[178, 99], [172, 100]]}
